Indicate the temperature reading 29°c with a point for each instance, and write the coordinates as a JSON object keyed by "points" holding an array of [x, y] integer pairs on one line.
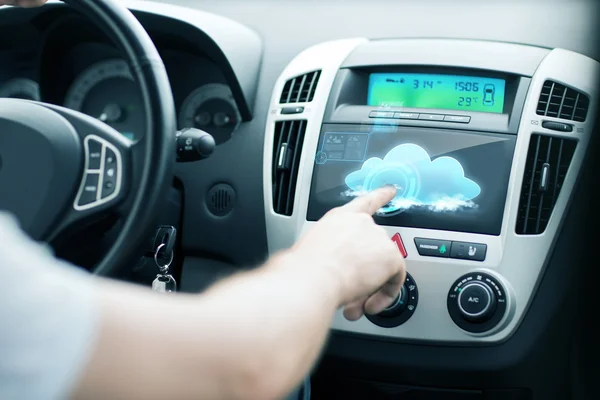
{"points": [[449, 92]]}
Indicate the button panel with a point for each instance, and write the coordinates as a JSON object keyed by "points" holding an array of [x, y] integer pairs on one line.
{"points": [[461, 119], [451, 249], [102, 178]]}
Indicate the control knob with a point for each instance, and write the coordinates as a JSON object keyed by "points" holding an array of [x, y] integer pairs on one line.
{"points": [[477, 302], [401, 309], [397, 305]]}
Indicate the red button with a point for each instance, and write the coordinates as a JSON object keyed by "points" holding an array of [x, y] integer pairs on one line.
{"points": [[398, 240]]}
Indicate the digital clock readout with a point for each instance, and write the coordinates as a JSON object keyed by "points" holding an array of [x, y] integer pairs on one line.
{"points": [[448, 92]]}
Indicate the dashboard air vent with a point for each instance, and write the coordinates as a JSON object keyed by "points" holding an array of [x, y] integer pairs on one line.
{"points": [[547, 164], [559, 101], [300, 89], [289, 137]]}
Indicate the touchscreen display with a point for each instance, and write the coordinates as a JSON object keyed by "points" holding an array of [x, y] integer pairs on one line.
{"points": [[445, 180], [448, 92]]}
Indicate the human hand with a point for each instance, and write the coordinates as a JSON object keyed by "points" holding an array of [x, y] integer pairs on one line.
{"points": [[361, 255], [22, 3]]}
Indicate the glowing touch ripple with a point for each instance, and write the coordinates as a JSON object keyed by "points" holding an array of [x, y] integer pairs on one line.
{"points": [[440, 185]]}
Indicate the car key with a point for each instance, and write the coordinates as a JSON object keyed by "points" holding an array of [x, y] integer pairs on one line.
{"points": [[166, 235], [164, 282]]}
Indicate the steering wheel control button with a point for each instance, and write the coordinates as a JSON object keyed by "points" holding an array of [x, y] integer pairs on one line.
{"points": [[93, 152], [468, 251], [89, 194], [401, 309], [110, 158], [397, 239], [433, 247], [101, 183], [109, 182], [477, 302], [557, 126]]}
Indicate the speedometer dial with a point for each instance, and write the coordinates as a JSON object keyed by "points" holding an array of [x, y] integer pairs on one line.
{"points": [[212, 109], [107, 91]]}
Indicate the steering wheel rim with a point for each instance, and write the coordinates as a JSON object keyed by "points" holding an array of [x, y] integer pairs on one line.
{"points": [[159, 156]]}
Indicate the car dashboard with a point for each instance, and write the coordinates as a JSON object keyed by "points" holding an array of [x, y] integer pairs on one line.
{"points": [[488, 131], [86, 72]]}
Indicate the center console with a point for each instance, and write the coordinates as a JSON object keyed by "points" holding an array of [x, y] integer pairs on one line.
{"points": [[483, 141]]}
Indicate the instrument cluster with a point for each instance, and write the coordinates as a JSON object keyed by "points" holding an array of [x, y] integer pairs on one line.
{"points": [[92, 78]]}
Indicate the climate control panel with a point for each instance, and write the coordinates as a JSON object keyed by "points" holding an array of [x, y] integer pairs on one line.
{"points": [[477, 302], [482, 201]]}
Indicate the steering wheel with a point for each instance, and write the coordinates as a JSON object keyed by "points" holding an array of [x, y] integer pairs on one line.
{"points": [[61, 169]]}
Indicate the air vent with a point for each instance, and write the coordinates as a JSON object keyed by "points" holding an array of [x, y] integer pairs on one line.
{"points": [[559, 101], [547, 164], [289, 136], [300, 89]]}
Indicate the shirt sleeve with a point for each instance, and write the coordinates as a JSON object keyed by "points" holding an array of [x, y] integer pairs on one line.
{"points": [[48, 319]]}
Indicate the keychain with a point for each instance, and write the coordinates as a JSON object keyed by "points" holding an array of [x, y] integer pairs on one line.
{"points": [[164, 282]]}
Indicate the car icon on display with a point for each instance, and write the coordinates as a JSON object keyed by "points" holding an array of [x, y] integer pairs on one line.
{"points": [[488, 94]]}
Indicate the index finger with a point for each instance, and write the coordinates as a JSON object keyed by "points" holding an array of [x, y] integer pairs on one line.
{"points": [[372, 201]]}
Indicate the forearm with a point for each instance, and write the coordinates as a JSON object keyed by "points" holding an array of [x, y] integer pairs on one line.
{"points": [[278, 323], [253, 335]]}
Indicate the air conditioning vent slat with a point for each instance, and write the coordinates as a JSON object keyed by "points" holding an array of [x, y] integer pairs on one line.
{"points": [[300, 89], [548, 161], [287, 149], [559, 101]]}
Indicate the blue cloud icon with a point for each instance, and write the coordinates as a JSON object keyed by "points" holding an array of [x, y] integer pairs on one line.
{"points": [[418, 180]]}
